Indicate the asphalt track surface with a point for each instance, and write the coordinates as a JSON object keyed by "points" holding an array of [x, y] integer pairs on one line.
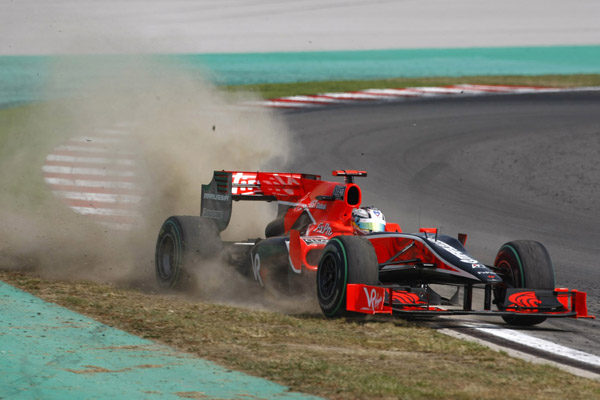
{"points": [[499, 168]]}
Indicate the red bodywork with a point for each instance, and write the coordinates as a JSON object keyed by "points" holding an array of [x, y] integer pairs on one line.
{"points": [[327, 208], [328, 205]]}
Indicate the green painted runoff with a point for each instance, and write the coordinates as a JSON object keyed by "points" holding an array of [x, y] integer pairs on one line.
{"points": [[26, 78], [49, 352]]}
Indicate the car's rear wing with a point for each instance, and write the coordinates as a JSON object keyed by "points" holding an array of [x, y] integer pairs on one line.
{"points": [[228, 186]]}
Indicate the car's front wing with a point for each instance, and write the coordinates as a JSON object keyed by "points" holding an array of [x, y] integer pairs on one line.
{"points": [[559, 302]]}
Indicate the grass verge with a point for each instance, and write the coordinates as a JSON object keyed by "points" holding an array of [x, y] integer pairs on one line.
{"points": [[337, 359], [274, 90]]}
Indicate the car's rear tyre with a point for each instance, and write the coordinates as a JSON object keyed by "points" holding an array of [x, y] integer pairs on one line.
{"points": [[182, 241], [523, 264], [345, 259]]}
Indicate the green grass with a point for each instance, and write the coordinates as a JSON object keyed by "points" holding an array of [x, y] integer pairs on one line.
{"points": [[270, 91], [338, 359]]}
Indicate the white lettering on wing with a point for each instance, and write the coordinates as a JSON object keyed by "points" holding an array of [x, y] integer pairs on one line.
{"points": [[373, 301]]}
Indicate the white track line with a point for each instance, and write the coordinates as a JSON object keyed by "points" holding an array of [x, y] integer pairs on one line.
{"points": [[309, 99], [90, 149], [438, 90], [352, 96], [105, 211], [519, 354], [392, 92], [85, 171], [89, 183], [90, 160], [282, 104], [100, 197], [116, 226], [536, 343], [97, 140]]}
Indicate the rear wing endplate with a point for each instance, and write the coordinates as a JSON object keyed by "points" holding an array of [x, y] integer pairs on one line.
{"points": [[216, 199]]}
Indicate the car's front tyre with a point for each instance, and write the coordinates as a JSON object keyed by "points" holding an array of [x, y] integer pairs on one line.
{"points": [[345, 259], [523, 264]]}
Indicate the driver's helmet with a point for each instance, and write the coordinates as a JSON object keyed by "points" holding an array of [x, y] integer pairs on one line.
{"points": [[368, 219]]}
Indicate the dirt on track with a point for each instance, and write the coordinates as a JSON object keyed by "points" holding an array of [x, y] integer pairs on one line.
{"points": [[180, 128]]}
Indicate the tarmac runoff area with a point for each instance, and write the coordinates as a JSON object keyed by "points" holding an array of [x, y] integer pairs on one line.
{"points": [[49, 352]]}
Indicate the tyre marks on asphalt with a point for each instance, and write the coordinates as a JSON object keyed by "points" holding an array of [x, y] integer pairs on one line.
{"points": [[97, 176]]}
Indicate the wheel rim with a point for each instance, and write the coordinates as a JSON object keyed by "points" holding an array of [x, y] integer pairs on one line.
{"points": [[327, 276], [506, 273], [167, 257]]}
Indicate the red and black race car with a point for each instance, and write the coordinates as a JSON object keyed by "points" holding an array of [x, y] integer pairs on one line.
{"points": [[372, 267]]}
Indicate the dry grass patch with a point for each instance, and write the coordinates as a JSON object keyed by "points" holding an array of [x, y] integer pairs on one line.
{"points": [[331, 358]]}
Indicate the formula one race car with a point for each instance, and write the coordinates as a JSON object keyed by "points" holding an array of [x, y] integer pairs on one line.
{"points": [[359, 262]]}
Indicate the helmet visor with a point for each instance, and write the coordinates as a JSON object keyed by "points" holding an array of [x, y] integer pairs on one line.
{"points": [[371, 226]]}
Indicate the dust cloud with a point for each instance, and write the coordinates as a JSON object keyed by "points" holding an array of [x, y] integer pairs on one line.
{"points": [[179, 129]]}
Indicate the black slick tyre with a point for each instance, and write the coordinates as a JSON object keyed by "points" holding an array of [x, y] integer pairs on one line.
{"points": [[182, 241], [345, 259], [523, 264]]}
